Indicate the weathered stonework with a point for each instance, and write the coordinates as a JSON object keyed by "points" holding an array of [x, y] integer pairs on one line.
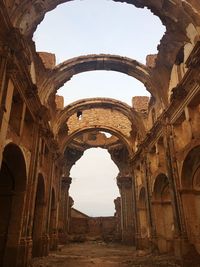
{"points": [[155, 143], [83, 228]]}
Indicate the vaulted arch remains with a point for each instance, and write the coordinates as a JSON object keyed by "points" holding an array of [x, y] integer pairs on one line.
{"points": [[80, 106], [98, 114], [64, 71], [26, 17]]}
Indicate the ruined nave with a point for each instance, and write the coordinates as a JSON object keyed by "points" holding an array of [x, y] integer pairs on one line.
{"points": [[155, 142]]}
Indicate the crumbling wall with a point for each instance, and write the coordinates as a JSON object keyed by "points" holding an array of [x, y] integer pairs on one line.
{"points": [[93, 228]]}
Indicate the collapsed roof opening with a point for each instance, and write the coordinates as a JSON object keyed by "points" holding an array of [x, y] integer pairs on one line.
{"points": [[109, 84], [81, 22]]}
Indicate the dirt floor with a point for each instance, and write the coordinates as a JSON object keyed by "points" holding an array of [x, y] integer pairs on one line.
{"points": [[100, 254]]}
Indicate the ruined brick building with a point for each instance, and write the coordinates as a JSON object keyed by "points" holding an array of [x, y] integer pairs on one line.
{"points": [[155, 143]]}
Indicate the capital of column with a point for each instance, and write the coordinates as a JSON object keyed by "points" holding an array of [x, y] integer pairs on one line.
{"points": [[124, 182]]}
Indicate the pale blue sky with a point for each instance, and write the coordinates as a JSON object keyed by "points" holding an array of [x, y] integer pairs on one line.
{"points": [[94, 27]]}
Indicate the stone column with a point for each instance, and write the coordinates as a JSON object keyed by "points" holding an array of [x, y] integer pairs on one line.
{"points": [[6, 95], [117, 203], [63, 210], [127, 209], [181, 244], [25, 246], [4, 54], [151, 220]]}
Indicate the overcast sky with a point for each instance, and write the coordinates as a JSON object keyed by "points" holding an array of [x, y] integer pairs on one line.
{"points": [[94, 27]]}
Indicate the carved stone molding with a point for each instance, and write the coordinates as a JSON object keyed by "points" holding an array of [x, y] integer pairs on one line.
{"points": [[124, 182], [19, 46]]}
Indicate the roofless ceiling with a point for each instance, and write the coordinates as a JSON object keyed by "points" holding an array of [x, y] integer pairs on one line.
{"points": [[177, 15]]}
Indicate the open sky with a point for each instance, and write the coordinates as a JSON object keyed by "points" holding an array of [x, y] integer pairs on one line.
{"points": [[95, 27]]}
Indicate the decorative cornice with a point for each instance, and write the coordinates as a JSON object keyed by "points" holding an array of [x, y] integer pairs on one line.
{"points": [[124, 182], [19, 46]]}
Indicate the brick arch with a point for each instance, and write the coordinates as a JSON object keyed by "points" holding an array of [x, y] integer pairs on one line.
{"points": [[67, 140], [66, 70], [100, 119], [105, 103]]}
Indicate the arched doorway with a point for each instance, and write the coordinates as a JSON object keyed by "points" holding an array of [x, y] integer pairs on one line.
{"points": [[12, 195], [163, 213], [52, 225], [144, 228], [38, 223], [94, 186], [191, 195]]}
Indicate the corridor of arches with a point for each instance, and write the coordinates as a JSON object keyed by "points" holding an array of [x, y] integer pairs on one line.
{"points": [[114, 79]]}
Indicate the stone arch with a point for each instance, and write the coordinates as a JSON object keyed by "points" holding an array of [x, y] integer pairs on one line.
{"points": [[81, 105], [122, 138], [121, 120], [190, 179], [144, 227], [162, 204], [66, 70], [180, 18], [13, 181], [39, 218], [166, 12]]}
